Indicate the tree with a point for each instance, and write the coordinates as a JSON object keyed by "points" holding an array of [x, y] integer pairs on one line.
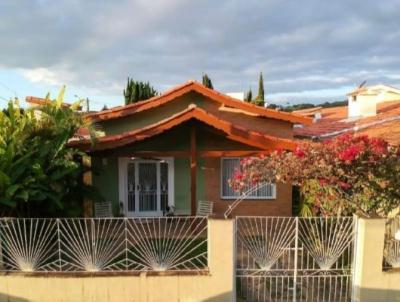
{"points": [[40, 175], [346, 175], [300, 106], [249, 96], [207, 81], [136, 91], [274, 106], [259, 100]]}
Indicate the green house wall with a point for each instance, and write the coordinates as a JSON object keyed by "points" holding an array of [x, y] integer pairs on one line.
{"points": [[182, 183], [150, 117], [106, 179]]}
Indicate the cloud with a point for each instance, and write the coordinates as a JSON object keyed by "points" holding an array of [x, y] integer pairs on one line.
{"points": [[303, 47], [42, 75]]}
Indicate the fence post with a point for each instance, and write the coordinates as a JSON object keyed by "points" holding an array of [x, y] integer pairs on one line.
{"points": [[221, 256], [353, 264], [296, 246], [368, 277]]}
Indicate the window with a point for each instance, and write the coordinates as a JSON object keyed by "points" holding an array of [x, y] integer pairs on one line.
{"points": [[228, 167]]}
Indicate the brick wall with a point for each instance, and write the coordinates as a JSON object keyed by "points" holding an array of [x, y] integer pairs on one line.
{"points": [[281, 206]]}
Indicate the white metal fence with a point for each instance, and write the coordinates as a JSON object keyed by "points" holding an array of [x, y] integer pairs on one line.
{"points": [[294, 259], [391, 252], [103, 244]]}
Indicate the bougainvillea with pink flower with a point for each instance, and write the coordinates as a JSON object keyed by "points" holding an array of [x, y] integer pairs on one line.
{"points": [[345, 175]]}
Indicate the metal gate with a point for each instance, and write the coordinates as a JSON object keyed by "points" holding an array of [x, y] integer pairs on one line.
{"points": [[294, 259]]}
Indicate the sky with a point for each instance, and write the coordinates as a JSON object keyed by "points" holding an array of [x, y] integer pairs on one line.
{"points": [[308, 51]]}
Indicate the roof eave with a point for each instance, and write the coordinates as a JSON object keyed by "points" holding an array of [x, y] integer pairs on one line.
{"points": [[255, 139]]}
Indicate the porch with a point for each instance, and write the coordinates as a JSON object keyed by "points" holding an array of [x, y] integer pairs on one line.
{"points": [[193, 163]]}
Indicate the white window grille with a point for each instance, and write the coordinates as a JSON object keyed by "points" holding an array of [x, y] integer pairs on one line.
{"points": [[229, 165]]}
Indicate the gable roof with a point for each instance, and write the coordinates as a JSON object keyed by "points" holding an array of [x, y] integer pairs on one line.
{"points": [[193, 86], [235, 133], [334, 121]]}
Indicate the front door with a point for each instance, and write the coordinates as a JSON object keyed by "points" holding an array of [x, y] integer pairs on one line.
{"points": [[147, 195], [148, 190]]}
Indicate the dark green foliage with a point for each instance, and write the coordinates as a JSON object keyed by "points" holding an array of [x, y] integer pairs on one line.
{"points": [[294, 107], [298, 107], [40, 176], [249, 96], [333, 104], [136, 91], [274, 106], [259, 100], [207, 81]]}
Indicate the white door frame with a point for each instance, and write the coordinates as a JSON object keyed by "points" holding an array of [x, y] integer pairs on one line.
{"points": [[123, 184]]}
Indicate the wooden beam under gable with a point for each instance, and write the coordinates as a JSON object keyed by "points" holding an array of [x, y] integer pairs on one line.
{"points": [[186, 154], [193, 171]]}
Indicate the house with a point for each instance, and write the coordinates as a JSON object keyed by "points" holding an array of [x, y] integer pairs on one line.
{"points": [[362, 101], [167, 153], [35, 101], [373, 111]]}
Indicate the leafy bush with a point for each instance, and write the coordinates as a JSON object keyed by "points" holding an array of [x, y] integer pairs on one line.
{"points": [[40, 175], [345, 175]]}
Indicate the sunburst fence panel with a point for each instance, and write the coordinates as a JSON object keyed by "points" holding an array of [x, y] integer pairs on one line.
{"points": [[103, 244], [294, 259]]}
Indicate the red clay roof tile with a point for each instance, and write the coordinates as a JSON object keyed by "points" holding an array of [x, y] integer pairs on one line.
{"points": [[199, 88], [233, 132], [334, 121]]}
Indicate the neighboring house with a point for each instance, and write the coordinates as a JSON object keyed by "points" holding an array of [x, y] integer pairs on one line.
{"points": [[168, 153], [374, 111], [34, 101], [363, 101]]}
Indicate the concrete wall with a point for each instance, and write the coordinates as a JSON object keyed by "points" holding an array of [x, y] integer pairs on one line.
{"points": [[363, 106], [370, 282], [213, 286]]}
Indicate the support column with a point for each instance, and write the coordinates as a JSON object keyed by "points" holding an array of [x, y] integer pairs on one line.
{"points": [[193, 171], [370, 282], [221, 258]]}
